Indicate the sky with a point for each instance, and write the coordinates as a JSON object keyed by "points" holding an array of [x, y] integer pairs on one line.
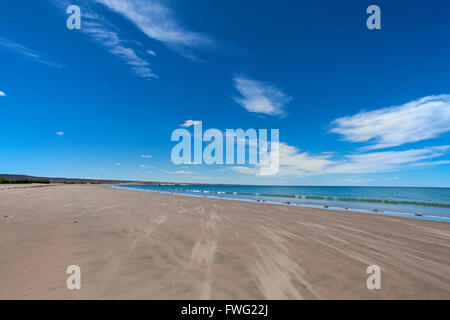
{"points": [[353, 106]]}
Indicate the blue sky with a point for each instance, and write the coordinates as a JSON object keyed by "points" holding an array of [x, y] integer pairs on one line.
{"points": [[354, 106]]}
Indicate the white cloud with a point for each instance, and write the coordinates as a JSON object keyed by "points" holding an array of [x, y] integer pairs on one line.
{"points": [[143, 166], [2, 94], [191, 163], [302, 164], [115, 45], [178, 172], [291, 157], [151, 52], [417, 120], [29, 53], [59, 133], [118, 164], [157, 22], [430, 163], [357, 180], [386, 160], [146, 156], [294, 163], [245, 140], [260, 97], [189, 123], [105, 33]]}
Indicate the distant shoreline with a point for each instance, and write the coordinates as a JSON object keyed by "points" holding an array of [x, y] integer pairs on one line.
{"points": [[141, 182], [371, 206]]}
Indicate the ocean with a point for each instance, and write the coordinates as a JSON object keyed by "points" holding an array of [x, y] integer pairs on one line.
{"points": [[422, 203]]}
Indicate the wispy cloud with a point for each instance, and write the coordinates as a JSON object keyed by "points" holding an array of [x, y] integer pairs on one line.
{"points": [[157, 22], [260, 97], [2, 94], [29, 53], [430, 163], [104, 32], [189, 123], [417, 120], [146, 156], [178, 172], [385, 161], [151, 17], [293, 162], [59, 133], [350, 180], [192, 163], [115, 45]]}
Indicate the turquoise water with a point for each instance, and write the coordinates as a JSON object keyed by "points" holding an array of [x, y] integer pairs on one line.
{"points": [[424, 203]]}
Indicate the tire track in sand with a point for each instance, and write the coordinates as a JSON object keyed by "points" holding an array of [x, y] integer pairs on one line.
{"points": [[156, 222], [275, 273], [203, 252]]}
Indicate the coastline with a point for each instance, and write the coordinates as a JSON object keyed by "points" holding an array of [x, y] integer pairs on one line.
{"points": [[209, 195], [143, 245]]}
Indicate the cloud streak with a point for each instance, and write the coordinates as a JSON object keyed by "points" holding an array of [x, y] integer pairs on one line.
{"points": [[157, 22], [179, 172], [417, 120], [189, 123], [151, 17], [386, 161], [260, 97], [28, 53], [104, 32], [303, 164], [2, 94], [293, 162], [115, 45]]}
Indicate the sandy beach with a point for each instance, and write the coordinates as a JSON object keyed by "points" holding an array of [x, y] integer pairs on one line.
{"points": [[140, 245]]}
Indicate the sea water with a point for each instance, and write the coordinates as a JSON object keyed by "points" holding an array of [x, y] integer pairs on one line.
{"points": [[424, 203]]}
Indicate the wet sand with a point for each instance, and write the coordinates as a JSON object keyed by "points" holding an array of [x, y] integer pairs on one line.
{"points": [[140, 245]]}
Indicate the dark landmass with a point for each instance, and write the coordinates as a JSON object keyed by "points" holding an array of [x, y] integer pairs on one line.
{"points": [[4, 180], [19, 178]]}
